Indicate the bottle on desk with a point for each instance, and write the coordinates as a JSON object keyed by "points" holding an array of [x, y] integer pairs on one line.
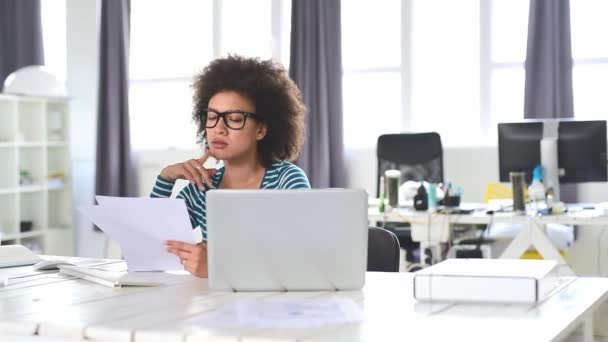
{"points": [[381, 207], [432, 196], [421, 201], [536, 190]]}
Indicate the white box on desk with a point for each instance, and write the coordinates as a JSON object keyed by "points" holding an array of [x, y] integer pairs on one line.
{"points": [[487, 280]]}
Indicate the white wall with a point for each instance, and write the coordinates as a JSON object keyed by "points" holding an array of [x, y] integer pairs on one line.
{"points": [[469, 167]]}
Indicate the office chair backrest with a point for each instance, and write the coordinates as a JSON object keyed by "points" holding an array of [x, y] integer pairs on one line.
{"points": [[382, 250], [419, 156]]}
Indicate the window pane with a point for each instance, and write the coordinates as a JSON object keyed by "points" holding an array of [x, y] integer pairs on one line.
{"points": [[445, 70], [372, 106], [285, 32], [590, 83], [246, 28], [507, 98], [170, 39], [161, 115], [509, 30], [371, 34], [589, 28], [54, 36]]}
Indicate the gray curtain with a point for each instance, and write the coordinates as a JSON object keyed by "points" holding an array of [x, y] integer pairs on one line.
{"points": [[316, 67], [20, 36], [115, 174], [548, 90]]}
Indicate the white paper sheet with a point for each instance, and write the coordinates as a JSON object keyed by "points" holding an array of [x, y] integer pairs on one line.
{"points": [[283, 313], [141, 226]]}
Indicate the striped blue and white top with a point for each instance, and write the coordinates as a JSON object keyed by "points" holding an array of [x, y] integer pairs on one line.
{"points": [[279, 175]]}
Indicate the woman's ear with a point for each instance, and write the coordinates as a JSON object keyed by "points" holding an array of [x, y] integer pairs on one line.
{"points": [[261, 131]]}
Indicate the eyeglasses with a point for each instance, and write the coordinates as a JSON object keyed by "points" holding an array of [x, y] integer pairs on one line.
{"points": [[233, 119]]}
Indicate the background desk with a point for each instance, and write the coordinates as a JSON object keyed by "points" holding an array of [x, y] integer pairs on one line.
{"points": [[53, 305], [430, 229]]}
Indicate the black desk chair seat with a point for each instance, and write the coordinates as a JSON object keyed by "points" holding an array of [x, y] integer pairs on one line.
{"points": [[382, 251]]}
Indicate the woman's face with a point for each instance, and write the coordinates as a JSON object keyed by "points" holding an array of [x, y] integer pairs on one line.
{"points": [[226, 143]]}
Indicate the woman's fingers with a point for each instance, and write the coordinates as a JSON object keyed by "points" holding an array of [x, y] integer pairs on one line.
{"points": [[201, 171], [196, 178], [180, 253], [189, 247]]}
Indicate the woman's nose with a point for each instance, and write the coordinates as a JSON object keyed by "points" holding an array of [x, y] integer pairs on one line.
{"points": [[221, 126]]}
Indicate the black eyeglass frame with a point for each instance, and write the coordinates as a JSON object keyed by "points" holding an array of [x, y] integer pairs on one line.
{"points": [[222, 115]]}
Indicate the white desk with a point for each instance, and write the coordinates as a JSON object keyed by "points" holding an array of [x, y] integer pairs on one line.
{"points": [[56, 306], [430, 229]]}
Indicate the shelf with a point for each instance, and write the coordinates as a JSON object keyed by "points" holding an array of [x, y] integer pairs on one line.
{"points": [[57, 188], [57, 144], [30, 188], [6, 237], [34, 137], [59, 227], [31, 234], [12, 144], [31, 144], [33, 188]]}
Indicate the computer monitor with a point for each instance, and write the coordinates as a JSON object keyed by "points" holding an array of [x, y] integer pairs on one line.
{"points": [[519, 148], [581, 149]]}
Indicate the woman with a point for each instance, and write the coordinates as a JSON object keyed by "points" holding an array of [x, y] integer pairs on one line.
{"points": [[250, 116]]}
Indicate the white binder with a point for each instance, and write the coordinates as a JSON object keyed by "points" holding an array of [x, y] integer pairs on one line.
{"points": [[488, 280]]}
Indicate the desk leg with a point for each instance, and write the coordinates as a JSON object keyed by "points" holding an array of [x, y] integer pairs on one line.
{"points": [[543, 245], [519, 245], [588, 328], [532, 234], [430, 252]]}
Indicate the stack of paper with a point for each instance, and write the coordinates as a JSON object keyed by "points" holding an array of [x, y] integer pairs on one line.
{"points": [[488, 280], [141, 226], [123, 278]]}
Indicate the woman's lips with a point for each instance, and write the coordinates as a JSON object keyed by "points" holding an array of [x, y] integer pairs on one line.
{"points": [[219, 144]]}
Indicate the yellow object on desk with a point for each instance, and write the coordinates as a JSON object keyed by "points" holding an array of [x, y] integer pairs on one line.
{"points": [[499, 191]]}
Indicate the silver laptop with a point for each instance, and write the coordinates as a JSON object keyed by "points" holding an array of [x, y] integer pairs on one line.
{"points": [[287, 240]]}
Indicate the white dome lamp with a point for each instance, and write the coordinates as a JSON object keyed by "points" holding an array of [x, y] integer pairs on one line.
{"points": [[34, 80]]}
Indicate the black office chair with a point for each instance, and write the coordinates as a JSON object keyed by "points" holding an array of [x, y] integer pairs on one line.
{"points": [[419, 156], [382, 250]]}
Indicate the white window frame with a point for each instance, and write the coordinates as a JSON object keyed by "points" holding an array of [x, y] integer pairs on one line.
{"points": [[487, 67], [276, 31]]}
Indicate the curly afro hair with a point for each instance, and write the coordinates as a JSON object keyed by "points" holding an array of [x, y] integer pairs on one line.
{"points": [[276, 97]]}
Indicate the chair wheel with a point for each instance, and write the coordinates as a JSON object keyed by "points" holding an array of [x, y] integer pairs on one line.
{"points": [[413, 267]]}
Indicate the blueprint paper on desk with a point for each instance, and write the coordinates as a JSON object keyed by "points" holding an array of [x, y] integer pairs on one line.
{"points": [[141, 226], [283, 313]]}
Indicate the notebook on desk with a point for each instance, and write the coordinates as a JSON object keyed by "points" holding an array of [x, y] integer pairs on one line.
{"points": [[17, 255], [123, 278], [283, 240]]}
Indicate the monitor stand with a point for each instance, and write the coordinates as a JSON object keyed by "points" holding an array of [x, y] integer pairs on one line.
{"points": [[549, 157]]}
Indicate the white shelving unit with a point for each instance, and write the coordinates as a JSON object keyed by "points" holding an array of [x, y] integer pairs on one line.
{"points": [[35, 176]]}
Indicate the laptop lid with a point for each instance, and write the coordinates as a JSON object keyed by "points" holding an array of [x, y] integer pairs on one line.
{"points": [[287, 240]]}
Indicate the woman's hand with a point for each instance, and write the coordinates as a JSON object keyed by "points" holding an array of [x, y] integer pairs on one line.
{"points": [[193, 257], [192, 170]]}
